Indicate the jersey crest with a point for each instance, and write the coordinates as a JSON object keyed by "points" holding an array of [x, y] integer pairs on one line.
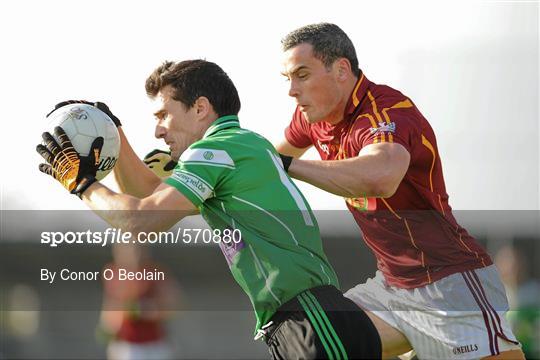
{"points": [[384, 127]]}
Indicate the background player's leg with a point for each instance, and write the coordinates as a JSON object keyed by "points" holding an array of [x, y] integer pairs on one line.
{"points": [[371, 296], [394, 343], [516, 354]]}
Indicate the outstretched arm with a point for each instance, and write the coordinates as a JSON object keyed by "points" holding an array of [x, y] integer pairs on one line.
{"points": [[156, 212], [285, 148], [377, 171], [78, 175]]}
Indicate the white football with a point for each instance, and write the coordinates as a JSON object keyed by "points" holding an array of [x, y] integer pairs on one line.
{"points": [[82, 124]]}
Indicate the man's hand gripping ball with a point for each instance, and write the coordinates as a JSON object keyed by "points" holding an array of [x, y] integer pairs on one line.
{"points": [[75, 172]]}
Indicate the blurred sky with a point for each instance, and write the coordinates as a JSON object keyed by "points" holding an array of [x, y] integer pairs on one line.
{"points": [[471, 68]]}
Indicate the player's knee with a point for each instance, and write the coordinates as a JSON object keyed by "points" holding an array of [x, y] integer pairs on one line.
{"points": [[393, 341]]}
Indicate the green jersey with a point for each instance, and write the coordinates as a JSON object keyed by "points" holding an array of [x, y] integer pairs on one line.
{"points": [[236, 179]]}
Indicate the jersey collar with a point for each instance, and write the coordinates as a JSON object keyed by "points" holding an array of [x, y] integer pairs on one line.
{"points": [[358, 94], [224, 122]]}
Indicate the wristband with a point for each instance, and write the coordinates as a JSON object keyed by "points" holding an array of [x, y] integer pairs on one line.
{"points": [[286, 160], [85, 182]]}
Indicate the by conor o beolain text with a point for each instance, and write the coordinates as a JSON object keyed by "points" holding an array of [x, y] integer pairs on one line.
{"points": [[117, 236]]}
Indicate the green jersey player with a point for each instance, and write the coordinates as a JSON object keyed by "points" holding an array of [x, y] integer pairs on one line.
{"points": [[277, 233], [235, 179]]}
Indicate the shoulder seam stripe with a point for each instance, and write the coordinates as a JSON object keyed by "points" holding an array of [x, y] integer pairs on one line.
{"points": [[208, 163], [205, 155]]}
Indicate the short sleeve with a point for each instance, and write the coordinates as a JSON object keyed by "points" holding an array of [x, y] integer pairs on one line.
{"points": [[397, 126], [298, 131], [199, 171]]}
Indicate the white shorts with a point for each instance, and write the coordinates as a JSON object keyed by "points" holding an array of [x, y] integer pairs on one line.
{"points": [[461, 316]]}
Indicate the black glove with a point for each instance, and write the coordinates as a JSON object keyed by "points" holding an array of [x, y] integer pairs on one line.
{"points": [[160, 162], [286, 160], [99, 105], [75, 172]]}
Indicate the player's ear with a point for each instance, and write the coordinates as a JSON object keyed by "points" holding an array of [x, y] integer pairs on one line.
{"points": [[343, 68], [202, 106]]}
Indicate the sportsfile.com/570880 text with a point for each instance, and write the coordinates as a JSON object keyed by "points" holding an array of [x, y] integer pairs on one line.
{"points": [[117, 236]]}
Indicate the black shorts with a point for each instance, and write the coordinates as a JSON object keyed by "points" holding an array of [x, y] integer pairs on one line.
{"points": [[321, 323]]}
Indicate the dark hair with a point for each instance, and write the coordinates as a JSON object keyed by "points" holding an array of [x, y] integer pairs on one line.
{"points": [[329, 43], [192, 79]]}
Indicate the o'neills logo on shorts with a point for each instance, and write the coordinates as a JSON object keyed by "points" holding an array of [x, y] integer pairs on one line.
{"points": [[465, 349]]}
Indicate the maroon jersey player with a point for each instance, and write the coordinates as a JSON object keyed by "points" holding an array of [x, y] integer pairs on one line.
{"points": [[380, 154]]}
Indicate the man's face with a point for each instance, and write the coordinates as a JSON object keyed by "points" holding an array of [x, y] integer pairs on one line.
{"points": [[313, 85], [176, 125]]}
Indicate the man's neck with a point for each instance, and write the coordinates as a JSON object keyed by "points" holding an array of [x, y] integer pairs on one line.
{"points": [[339, 114]]}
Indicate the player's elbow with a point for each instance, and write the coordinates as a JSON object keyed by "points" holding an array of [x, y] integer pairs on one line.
{"points": [[388, 166], [386, 190], [385, 182], [381, 187]]}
